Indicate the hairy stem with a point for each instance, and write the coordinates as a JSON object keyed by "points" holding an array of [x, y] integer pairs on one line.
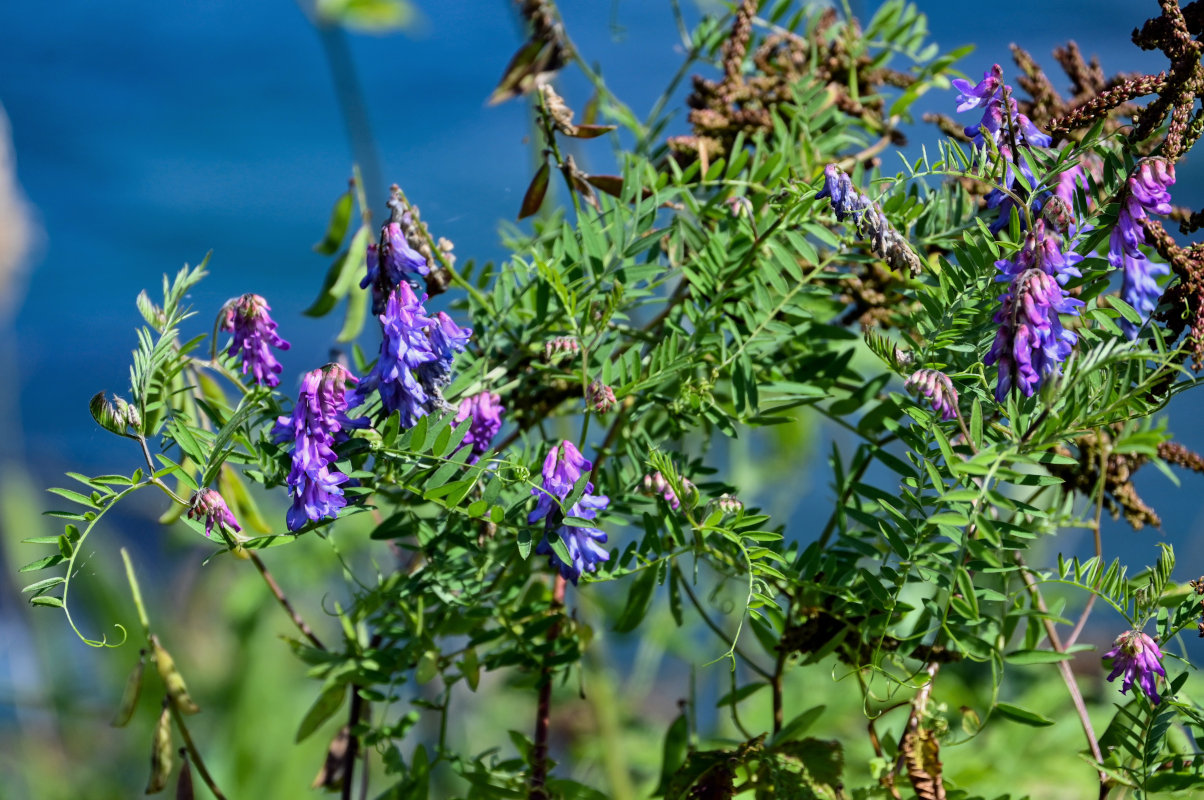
{"points": [[1072, 687], [195, 754], [543, 710], [278, 593]]}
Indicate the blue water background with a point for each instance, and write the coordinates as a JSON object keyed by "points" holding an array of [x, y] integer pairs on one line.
{"points": [[149, 133]]}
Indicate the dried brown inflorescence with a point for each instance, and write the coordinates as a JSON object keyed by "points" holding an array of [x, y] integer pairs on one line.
{"points": [[737, 103], [876, 296], [1120, 496]]}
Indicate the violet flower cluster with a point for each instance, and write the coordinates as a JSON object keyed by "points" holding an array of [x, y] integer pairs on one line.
{"points": [[209, 505], [869, 220], [1031, 342], [1148, 191], [485, 409], [1010, 131], [390, 262], [562, 468], [1138, 658], [415, 357], [319, 421], [254, 335], [937, 388]]}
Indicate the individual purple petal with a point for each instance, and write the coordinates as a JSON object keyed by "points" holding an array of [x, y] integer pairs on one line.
{"points": [[975, 95]]}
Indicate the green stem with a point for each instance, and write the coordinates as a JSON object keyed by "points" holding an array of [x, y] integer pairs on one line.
{"points": [[195, 754]]}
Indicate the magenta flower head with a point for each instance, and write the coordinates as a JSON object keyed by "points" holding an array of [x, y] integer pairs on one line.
{"points": [[562, 468], [486, 412], [1148, 191], [1137, 656], [254, 334], [937, 388], [208, 504], [319, 421]]}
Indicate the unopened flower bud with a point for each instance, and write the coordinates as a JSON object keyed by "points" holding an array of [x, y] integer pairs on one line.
{"points": [[601, 397], [730, 504], [937, 388], [561, 344], [739, 206], [127, 413], [212, 507]]}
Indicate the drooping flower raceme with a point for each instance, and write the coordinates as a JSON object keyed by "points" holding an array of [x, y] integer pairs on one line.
{"points": [[869, 220], [318, 422], [485, 409], [562, 468], [988, 94], [390, 263], [1031, 342], [254, 335], [1005, 127], [415, 357], [936, 386], [1148, 192], [1138, 658], [403, 348], [209, 505]]}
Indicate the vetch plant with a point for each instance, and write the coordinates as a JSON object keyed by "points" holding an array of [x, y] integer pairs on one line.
{"points": [[563, 499]]}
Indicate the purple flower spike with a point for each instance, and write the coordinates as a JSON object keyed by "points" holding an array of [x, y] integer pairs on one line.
{"points": [[975, 95], [254, 335], [318, 422], [404, 348], [1031, 342], [486, 412], [1148, 192], [937, 387], [399, 261], [562, 468], [212, 506], [1137, 656]]}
